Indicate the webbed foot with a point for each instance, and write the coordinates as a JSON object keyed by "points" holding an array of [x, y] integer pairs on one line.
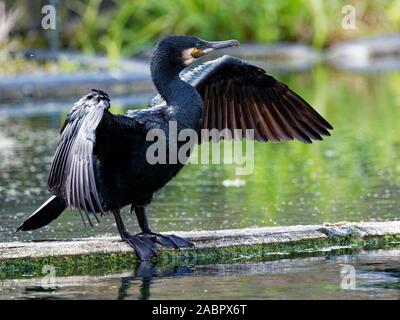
{"points": [[146, 244]]}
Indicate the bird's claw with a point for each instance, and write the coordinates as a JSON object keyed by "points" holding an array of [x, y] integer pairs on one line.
{"points": [[172, 241], [146, 244], [144, 248]]}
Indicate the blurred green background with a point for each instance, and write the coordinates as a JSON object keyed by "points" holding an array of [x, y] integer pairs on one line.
{"points": [[124, 27]]}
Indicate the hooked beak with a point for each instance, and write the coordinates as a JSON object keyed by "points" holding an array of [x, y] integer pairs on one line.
{"points": [[216, 45], [223, 44], [207, 47]]}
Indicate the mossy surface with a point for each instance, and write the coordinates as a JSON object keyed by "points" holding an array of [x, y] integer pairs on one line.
{"points": [[100, 264]]}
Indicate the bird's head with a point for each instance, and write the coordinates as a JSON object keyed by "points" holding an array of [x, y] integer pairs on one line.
{"points": [[184, 50]]}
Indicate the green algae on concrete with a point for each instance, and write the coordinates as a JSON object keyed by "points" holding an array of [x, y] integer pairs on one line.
{"points": [[224, 246]]}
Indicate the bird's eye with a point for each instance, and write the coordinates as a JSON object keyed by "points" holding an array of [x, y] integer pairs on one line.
{"points": [[197, 45]]}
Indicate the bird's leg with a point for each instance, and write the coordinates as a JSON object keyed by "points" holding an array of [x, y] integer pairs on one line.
{"points": [[169, 241], [144, 247], [120, 224], [142, 219]]}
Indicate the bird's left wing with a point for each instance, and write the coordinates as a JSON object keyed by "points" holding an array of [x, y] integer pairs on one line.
{"points": [[72, 174], [238, 95]]}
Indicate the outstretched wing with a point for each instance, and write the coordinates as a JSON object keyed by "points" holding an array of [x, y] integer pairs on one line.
{"points": [[72, 175], [241, 96]]}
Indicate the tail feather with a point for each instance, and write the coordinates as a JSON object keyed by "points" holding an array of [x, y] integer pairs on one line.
{"points": [[46, 213]]}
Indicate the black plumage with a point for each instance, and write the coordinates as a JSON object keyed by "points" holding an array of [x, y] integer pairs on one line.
{"points": [[100, 163]]}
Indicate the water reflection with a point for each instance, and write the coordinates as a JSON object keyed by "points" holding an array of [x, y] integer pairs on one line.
{"points": [[146, 272], [377, 276]]}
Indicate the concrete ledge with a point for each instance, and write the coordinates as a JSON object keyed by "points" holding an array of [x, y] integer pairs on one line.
{"points": [[203, 239], [101, 254]]}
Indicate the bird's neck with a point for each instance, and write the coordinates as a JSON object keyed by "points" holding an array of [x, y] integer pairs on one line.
{"points": [[183, 99]]}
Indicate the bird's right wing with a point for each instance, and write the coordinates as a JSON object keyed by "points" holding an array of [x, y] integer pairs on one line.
{"points": [[72, 174], [241, 96]]}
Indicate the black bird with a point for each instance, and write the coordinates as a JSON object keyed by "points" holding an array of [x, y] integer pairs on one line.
{"points": [[100, 163]]}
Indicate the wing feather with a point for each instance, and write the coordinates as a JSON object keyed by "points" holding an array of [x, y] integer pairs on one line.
{"points": [[238, 95], [72, 173]]}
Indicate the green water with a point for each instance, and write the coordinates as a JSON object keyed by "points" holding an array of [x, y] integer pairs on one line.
{"points": [[353, 175]]}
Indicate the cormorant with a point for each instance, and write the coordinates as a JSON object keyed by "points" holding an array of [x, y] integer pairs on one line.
{"points": [[100, 163]]}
